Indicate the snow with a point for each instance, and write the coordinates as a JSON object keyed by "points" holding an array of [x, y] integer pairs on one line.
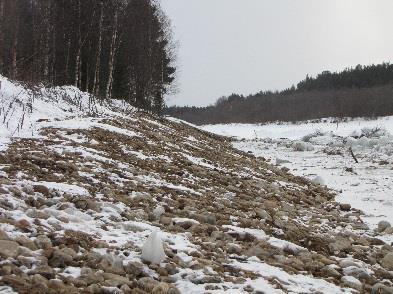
{"points": [[26, 112], [366, 186], [291, 283], [298, 130], [153, 250], [261, 235]]}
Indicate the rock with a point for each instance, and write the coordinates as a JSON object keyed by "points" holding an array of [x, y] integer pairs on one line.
{"points": [[60, 259], [8, 249], [94, 289], [234, 249], [354, 271], [352, 282], [158, 212], [380, 288], [388, 231], [330, 272], [387, 261], [347, 263], [92, 278], [383, 225], [41, 189], [171, 269], [281, 161], [112, 263], [3, 191], [318, 181], [166, 221], [35, 213], [15, 281], [147, 284], [345, 207], [205, 218], [3, 235], [45, 271], [302, 146], [40, 280], [263, 214], [185, 224], [26, 242], [113, 280], [340, 244], [125, 289], [161, 288], [134, 268], [206, 280], [43, 242]]}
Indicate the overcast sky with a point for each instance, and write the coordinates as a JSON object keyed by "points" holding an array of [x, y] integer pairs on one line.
{"points": [[245, 46]]}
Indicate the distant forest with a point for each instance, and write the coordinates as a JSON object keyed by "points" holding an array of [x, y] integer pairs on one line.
{"points": [[110, 48], [355, 92]]}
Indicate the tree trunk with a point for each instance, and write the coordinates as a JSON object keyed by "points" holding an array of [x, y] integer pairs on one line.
{"points": [[96, 81], [79, 50], [113, 49], [46, 40], [1, 34], [14, 46]]}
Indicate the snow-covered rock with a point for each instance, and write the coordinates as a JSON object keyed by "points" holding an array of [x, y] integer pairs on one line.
{"points": [[153, 249], [302, 146], [318, 180]]}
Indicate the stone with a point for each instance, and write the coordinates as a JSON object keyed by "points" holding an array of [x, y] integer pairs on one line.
{"points": [[114, 280], [112, 263], [345, 207], [205, 218], [147, 284], [233, 249], [35, 213], [330, 272], [263, 214], [26, 242], [43, 242], [352, 282], [8, 249], [3, 235], [340, 244], [41, 189], [389, 231], [380, 288], [133, 268], [161, 288], [387, 261], [383, 225], [45, 271], [125, 289], [354, 271], [60, 259], [185, 224], [58, 286], [166, 221]]}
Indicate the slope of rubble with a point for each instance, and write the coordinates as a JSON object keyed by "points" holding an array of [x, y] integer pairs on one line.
{"points": [[84, 184]]}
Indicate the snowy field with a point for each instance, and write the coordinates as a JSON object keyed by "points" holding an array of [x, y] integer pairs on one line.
{"points": [[320, 151]]}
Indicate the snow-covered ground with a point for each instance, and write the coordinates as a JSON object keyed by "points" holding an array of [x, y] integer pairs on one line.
{"points": [[321, 151], [84, 186]]}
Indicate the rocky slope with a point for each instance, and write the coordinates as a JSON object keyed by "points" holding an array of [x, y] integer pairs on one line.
{"points": [[83, 185]]}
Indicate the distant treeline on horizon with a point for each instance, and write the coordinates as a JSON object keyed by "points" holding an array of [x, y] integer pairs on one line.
{"points": [[362, 91]]}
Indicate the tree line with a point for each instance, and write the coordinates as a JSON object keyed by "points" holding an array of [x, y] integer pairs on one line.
{"points": [[363, 91], [110, 48], [357, 77]]}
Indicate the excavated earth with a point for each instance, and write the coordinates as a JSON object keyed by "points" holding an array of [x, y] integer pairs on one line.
{"points": [[77, 203]]}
